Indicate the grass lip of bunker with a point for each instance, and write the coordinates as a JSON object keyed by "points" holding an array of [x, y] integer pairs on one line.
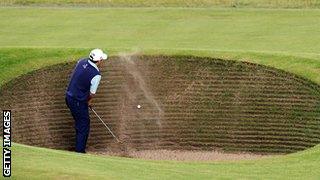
{"points": [[208, 105]]}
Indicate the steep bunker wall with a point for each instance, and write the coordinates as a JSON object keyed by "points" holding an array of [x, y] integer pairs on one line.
{"points": [[187, 103]]}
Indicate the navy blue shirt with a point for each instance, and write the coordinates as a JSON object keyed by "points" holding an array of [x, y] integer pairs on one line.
{"points": [[79, 86]]}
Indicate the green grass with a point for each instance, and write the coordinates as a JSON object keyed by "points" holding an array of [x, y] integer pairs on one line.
{"points": [[294, 32], [18, 61], [32, 38], [287, 39], [39, 163], [173, 3]]}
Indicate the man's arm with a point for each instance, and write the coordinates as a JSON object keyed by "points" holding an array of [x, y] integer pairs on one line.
{"points": [[93, 88]]}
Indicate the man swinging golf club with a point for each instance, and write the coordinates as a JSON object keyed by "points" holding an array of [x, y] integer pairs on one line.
{"points": [[83, 86]]}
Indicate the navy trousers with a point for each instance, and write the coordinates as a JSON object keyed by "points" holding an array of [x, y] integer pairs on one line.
{"points": [[80, 113]]}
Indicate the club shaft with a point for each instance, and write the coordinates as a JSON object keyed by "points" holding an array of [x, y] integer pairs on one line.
{"points": [[104, 124]]}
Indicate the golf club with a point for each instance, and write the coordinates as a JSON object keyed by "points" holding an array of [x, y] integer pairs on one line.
{"points": [[104, 124]]}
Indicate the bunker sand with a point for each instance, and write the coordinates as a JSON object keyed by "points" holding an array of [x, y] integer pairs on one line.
{"points": [[209, 105], [180, 155]]}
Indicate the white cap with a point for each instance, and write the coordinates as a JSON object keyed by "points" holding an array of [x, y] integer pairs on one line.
{"points": [[97, 55]]}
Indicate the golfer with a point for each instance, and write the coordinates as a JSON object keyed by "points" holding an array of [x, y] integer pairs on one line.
{"points": [[83, 86]]}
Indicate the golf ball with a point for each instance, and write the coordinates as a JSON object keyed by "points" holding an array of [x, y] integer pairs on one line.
{"points": [[139, 106]]}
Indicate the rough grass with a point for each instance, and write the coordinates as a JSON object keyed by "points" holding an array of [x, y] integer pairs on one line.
{"points": [[40, 163], [18, 61], [171, 3]]}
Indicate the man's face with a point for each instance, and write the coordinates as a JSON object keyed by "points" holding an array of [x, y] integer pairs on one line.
{"points": [[99, 64]]}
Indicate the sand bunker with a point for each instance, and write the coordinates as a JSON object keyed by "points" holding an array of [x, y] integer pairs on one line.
{"points": [[191, 107], [179, 155]]}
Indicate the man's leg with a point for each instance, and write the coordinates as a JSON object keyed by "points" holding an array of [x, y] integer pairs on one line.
{"points": [[82, 125], [80, 113]]}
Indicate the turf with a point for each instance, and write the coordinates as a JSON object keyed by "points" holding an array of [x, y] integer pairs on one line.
{"points": [[172, 3], [286, 39], [292, 32], [18, 61], [40, 163]]}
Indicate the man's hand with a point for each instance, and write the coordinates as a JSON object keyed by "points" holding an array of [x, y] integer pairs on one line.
{"points": [[90, 104]]}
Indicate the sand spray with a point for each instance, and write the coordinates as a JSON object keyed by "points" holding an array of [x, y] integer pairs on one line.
{"points": [[131, 67]]}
